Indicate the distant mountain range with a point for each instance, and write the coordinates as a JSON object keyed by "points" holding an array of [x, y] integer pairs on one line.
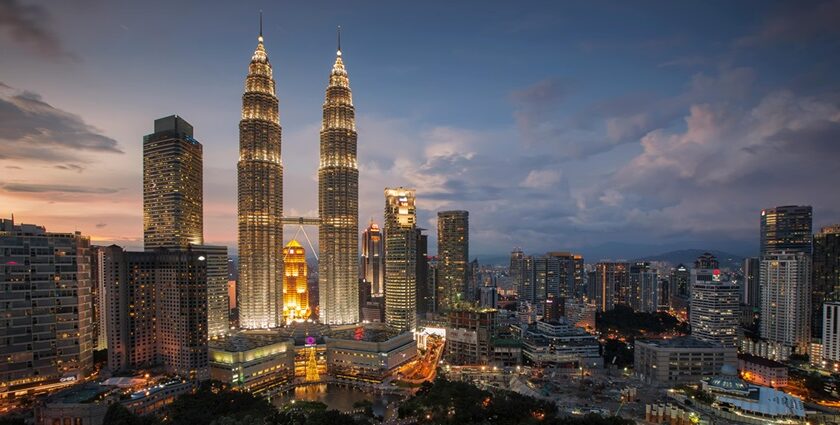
{"points": [[687, 257]]}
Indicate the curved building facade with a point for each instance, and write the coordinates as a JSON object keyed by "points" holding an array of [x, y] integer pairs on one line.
{"points": [[338, 203], [260, 188]]}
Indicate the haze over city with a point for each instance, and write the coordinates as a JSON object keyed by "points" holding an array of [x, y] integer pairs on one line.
{"points": [[609, 129]]}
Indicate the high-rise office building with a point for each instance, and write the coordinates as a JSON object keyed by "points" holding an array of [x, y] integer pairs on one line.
{"points": [[751, 296], [400, 259], [644, 287], [611, 284], [714, 312], [520, 275], [46, 326], [786, 228], [295, 291], [425, 302], [173, 208], [157, 310], [680, 282], [826, 280], [338, 203], [786, 299], [453, 231], [260, 198], [373, 259], [173, 214]]}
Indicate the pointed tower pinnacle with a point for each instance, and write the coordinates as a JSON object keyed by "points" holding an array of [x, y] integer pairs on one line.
{"points": [[260, 38], [338, 53]]}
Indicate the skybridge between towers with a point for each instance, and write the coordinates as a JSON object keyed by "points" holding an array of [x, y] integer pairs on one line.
{"points": [[300, 222]]}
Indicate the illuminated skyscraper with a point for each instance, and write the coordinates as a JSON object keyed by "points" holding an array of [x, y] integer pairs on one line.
{"points": [[611, 284], [786, 299], [373, 259], [295, 291], [714, 310], [172, 186], [453, 256], [786, 228], [400, 259], [260, 184], [338, 203]]}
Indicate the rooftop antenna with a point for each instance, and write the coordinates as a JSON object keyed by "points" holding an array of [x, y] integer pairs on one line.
{"points": [[339, 39], [261, 36]]}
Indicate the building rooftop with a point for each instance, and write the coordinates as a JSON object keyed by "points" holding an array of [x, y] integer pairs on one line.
{"points": [[680, 342], [245, 341], [761, 361], [85, 393]]}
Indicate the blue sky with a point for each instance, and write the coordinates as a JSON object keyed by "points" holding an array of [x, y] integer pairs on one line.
{"points": [[616, 129]]}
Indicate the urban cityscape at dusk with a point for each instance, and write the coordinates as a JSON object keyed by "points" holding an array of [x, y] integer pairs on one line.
{"points": [[437, 213]]}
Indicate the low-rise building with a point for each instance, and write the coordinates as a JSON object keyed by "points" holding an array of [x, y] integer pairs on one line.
{"points": [[559, 343], [255, 361], [469, 334], [368, 353], [84, 404], [767, 349], [752, 403], [761, 371], [680, 360]]}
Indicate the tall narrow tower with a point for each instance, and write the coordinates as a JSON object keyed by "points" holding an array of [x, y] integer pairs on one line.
{"points": [[338, 203], [260, 183]]}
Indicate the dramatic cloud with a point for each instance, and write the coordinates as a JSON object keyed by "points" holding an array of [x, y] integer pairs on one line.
{"points": [[29, 25], [45, 188], [33, 130], [729, 162]]}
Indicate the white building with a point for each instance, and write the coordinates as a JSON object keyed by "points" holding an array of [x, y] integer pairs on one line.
{"points": [[715, 313], [786, 299], [831, 332]]}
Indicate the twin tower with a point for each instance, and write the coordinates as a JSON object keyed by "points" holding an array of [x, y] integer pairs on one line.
{"points": [[260, 188]]}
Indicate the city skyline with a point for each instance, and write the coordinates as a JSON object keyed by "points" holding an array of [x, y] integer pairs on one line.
{"points": [[687, 89]]}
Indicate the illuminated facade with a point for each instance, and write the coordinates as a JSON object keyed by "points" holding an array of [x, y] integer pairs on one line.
{"points": [[373, 259], [157, 310], [338, 203], [295, 291], [714, 311], [260, 191], [786, 228], [786, 299], [400, 259], [453, 232], [611, 284], [254, 362], [173, 214], [46, 318]]}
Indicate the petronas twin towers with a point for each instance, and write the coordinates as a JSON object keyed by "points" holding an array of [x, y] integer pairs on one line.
{"points": [[260, 185]]}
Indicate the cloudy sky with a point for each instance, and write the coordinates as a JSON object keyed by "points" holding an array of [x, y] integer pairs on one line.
{"points": [[610, 128]]}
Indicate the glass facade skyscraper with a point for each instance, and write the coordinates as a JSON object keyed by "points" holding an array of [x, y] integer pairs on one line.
{"points": [[786, 228], [173, 213], [453, 231], [400, 259]]}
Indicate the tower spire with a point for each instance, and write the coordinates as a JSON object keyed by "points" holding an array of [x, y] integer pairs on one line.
{"points": [[338, 33], [261, 36]]}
